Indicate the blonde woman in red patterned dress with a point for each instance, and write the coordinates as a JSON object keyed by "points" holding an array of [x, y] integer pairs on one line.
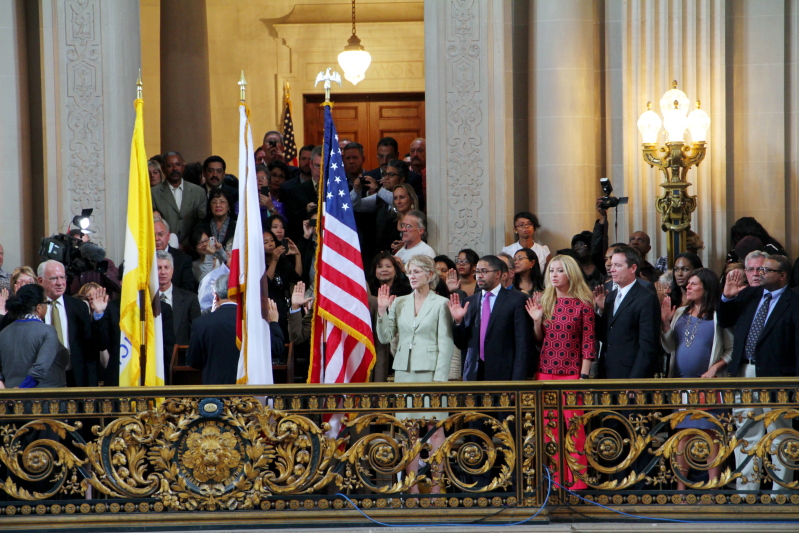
{"points": [[564, 324]]}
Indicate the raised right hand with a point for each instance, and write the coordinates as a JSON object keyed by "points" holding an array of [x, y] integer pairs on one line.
{"points": [[384, 299], [455, 308], [667, 311], [534, 308], [453, 283], [298, 298], [599, 297], [736, 282]]}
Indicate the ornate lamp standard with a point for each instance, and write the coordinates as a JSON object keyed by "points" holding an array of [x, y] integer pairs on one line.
{"points": [[674, 159]]}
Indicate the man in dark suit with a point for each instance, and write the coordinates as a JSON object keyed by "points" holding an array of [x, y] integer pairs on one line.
{"points": [[214, 173], [213, 348], [73, 324], [181, 204], [304, 160], [629, 322], [301, 198], [183, 277], [766, 330], [185, 306], [499, 349]]}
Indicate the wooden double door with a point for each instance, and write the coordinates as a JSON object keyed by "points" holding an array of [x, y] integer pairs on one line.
{"points": [[367, 118]]}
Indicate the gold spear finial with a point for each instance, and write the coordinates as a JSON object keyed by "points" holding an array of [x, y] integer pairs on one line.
{"points": [[649, 105], [242, 88], [138, 85], [674, 84]]}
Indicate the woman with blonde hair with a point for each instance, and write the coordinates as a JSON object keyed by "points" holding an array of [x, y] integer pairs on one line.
{"points": [[425, 345], [564, 324]]}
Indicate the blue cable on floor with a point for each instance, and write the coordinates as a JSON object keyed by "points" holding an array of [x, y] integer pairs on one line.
{"points": [[494, 525], [551, 482]]}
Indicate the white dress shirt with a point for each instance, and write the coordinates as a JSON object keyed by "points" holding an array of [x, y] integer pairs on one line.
{"points": [[622, 292], [177, 192]]}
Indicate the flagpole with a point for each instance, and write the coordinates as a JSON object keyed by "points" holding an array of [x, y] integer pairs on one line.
{"points": [[142, 296]]}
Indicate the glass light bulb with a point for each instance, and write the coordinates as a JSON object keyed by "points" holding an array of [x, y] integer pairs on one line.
{"points": [[698, 123], [649, 125]]}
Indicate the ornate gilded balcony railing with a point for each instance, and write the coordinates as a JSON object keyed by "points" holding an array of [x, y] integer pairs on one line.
{"points": [[263, 454]]}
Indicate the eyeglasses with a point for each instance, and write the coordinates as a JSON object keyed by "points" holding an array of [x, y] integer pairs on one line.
{"points": [[484, 271], [57, 278], [203, 242], [406, 226], [391, 175], [523, 225], [461, 261], [764, 270]]}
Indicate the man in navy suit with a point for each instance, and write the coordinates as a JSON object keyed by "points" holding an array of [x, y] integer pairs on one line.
{"points": [[766, 331], [499, 349]]}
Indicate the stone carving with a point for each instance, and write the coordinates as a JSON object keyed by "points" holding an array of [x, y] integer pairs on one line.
{"points": [[464, 119], [85, 170]]}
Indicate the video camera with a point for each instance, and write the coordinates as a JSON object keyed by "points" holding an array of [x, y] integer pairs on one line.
{"points": [[76, 256], [609, 200]]}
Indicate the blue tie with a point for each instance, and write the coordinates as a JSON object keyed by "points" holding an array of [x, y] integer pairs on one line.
{"points": [[756, 328]]}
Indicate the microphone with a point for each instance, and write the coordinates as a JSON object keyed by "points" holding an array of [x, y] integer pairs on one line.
{"points": [[92, 252]]}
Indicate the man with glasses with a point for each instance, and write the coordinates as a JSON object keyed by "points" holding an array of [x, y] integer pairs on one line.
{"points": [[414, 228], [73, 325], [752, 263], [492, 326], [765, 319]]}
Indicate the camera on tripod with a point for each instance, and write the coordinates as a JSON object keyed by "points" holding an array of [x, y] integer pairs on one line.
{"points": [[608, 201]]}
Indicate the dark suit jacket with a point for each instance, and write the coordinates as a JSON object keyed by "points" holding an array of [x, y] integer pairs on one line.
{"points": [[631, 338], [84, 342], [508, 342], [212, 347], [777, 350], [192, 208], [109, 336], [182, 275], [295, 201], [185, 310]]}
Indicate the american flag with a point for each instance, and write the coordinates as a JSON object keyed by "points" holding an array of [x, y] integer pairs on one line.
{"points": [[342, 344], [289, 144]]}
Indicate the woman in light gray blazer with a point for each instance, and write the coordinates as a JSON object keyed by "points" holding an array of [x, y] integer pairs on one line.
{"points": [[425, 346], [30, 353]]}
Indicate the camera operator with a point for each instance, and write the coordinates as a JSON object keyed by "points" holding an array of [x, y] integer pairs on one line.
{"points": [[109, 279], [599, 240]]}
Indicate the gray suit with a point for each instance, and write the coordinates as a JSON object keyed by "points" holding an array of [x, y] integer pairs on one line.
{"points": [[193, 207], [31, 348]]}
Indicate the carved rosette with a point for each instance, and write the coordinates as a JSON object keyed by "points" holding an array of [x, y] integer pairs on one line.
{"points": [[465, 149], [85, 169]]}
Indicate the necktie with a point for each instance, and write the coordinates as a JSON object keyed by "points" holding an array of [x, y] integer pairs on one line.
{"points": [[163, 297], [55, 320], [757, 327], [484, 317]]}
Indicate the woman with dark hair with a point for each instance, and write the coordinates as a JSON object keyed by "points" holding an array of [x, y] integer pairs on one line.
{"points": [[220, 218], [266, 202], [279, 173], [206, 257], [385, 270], [285, 247], [443, 265], [699, 348], [528, 278], [749, 227], [684, 265], [281, 274], [30, 353]]}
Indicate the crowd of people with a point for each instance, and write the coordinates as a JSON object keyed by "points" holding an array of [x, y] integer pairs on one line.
{"points": [[592, 310]]}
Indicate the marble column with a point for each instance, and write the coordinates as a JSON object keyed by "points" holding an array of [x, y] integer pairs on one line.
{"points": [[469, 123], [185, 85], [683, 41], [792, 82], [17, 239], [565, 152], [90, 55]]}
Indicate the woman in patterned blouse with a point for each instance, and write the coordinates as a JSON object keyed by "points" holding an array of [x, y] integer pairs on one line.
{"points": [[564, 322]]}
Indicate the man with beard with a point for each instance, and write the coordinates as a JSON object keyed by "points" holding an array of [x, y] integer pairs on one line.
{"points": [[305, 174], [181, 204]]}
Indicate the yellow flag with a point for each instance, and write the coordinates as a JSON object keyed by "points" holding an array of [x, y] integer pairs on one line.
{"points": [[139, 323]]}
